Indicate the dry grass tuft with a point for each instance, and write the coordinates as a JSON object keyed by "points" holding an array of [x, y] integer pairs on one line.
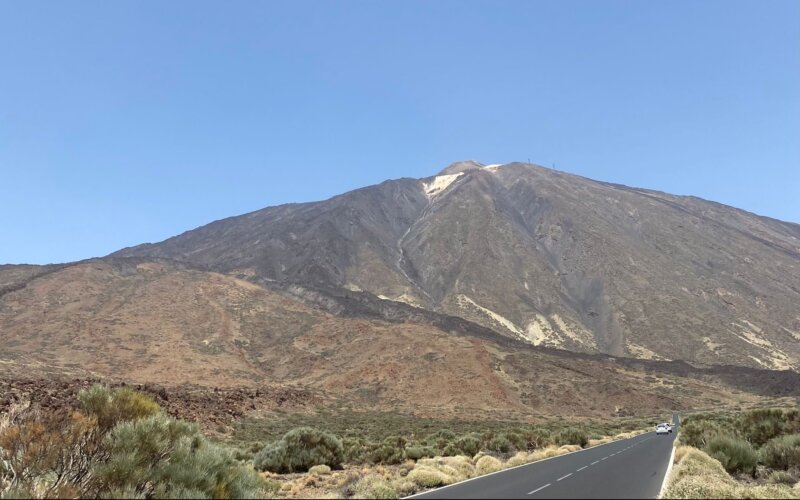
{"points": [[519, 459], [487, 464], [428, 477], [319, 470], [550, 451], [697, 475], [374, 486], [681, 452], [628, 435]]}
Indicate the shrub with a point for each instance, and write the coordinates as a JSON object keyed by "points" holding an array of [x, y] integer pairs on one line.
{"points": [[440, 439], [537, 438], [300, 449], [355, 450], [500, 444], [572, 436], [517, 441], [386, 453], [487, 464], [64, 446], [374, 486], [697, 432], [110, 407], [163, 457], [782, 453], [734, 454], [759, 426], [417, 452], [467, 445]]}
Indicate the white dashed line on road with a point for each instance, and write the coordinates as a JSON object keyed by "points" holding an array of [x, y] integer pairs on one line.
{"points": [[596, 461], [539, 489], [585, 466], [559, 479]]}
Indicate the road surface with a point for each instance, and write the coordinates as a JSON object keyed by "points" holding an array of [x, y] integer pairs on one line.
{"points": [[632, 468]]}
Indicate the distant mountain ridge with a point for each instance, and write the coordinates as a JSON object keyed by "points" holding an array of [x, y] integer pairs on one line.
{"points": [[538, 255]]}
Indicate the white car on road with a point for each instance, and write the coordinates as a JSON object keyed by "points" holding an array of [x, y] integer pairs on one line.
{"points": [[663, 429]]}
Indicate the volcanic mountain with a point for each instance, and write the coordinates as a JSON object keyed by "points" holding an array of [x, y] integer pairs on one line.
{"points": [[538, 255], [482, 291]]}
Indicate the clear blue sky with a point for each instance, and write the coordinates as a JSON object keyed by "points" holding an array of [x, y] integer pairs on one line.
{"points": [[129, 122]]}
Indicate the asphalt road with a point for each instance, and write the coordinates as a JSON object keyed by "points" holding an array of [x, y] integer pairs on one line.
{"points": [[632, 468]]}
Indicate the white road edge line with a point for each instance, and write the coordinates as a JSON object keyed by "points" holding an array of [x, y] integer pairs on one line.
{"points": [[669, 469], [518, 466], [585, 466], [559, 479], [539, 489]]}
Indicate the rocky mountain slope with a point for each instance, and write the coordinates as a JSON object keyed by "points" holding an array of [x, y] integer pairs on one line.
{"points": [[537, 255], [156, 322]]}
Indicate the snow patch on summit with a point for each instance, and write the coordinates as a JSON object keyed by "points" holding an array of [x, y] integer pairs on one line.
{"points": [[440, 183]]}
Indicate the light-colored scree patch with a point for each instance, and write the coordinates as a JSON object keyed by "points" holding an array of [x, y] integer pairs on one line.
{"points": [[580, 335], [642, 352], [778, 359], [463, 301], [440, 183], [792, 333]]}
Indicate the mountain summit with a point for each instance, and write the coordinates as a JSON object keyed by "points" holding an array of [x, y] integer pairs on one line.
{"points": [[536, 255]]}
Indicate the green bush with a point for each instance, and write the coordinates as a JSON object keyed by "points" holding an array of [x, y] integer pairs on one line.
{"points": [[112, 406], [389, 452], [759, 426], [698, 431], [166, 458], [517, 441], [537, 438], [500, 444], [355, 450], [465, 445], [417, 452], [440, 439], [572, 435], [299, 450], [734, 454], [782, 453]]}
